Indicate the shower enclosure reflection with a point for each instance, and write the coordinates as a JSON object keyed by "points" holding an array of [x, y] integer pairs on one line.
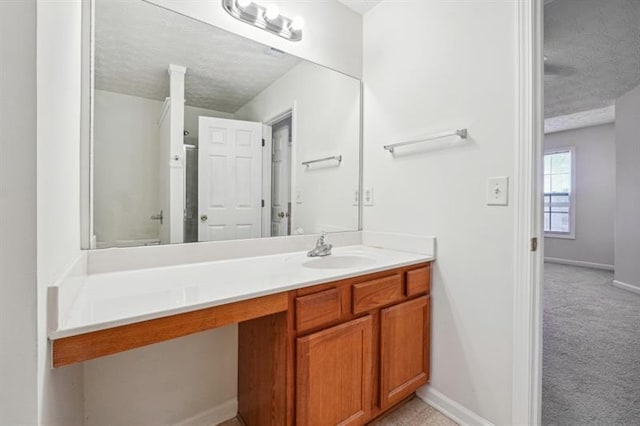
{"points": [[200, 134]]}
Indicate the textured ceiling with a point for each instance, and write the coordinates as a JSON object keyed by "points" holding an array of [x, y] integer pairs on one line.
{"points": [[595, 46], [578, 120], [360, 6], [136, 41]]}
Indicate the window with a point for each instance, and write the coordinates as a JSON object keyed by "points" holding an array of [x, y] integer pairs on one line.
{"points": [[559, 200]]}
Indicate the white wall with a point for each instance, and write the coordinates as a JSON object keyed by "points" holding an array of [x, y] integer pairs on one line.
{"points": [[163, 383], [595, 192], [126, 152], [18, 336], [439, 65], [627, 246], [58, 213], [126, 143], [326, 122], [332, 35]]}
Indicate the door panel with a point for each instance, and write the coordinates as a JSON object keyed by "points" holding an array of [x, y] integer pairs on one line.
{"points": [[333, 378], [404, 349], [229, 179], [281, 178]]}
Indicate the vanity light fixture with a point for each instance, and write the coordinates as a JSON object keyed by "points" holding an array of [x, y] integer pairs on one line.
{"points": [[267, 18], [271, 13]]}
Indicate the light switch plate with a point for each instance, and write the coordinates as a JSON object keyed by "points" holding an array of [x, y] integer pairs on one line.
{"points": [[368, 196], [498, 191]]}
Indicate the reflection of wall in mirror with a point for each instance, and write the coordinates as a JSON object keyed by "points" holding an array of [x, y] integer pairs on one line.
{"points": [[126, 140], [326, 123]]}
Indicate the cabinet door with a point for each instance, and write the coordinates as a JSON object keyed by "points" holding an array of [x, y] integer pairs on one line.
{"points": [[333, 375], [404, 349]]}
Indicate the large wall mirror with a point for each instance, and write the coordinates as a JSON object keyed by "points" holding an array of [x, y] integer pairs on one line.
{"points": [[202, 135]]}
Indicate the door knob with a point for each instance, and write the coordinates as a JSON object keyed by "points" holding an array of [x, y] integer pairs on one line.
{"points": [[203, 218], [281, 215]]}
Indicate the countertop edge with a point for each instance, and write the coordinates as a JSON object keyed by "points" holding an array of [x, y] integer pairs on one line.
{"points": [[75, 331]]}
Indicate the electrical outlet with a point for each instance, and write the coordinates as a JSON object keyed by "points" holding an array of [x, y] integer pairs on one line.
{"points": [[498, 191], [368, 196]]}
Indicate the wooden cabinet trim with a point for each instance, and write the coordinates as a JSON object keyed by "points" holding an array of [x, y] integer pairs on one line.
{"points": [[263, 380], [83, 347]]}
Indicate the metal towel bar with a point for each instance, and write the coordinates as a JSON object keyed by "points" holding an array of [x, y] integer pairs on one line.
{"points": [[338, 158], [460, 132]]}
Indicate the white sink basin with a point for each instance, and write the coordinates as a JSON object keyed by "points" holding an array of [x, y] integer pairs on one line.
{"points": [[339, 261]]}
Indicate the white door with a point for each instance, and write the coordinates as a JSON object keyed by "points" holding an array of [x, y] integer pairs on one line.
{"points": [[281, 178], [229, 179]]}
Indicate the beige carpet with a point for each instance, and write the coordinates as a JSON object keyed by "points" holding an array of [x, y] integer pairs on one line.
{"points": [[413, 413], [591, 350]]}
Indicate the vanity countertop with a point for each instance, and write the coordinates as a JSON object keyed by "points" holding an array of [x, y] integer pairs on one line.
{"points": [[113, 299]]}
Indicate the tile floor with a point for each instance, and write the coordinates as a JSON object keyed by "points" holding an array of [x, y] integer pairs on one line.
{"points": [[413, 413]]}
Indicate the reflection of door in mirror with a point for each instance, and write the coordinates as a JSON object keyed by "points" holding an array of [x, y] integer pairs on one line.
{"points": [[281, 178], [191, 192], [229, 179], [146, 152]]}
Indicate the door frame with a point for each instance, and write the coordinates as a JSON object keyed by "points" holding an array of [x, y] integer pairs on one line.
{"points": [[528, 267], [266, 167]]}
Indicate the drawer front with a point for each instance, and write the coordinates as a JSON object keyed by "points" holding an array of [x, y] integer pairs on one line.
{"points": [[318, 309], [372, 294], [419, 281]]}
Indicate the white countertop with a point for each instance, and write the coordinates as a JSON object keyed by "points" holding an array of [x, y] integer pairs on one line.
{"points": [[113, 299]]}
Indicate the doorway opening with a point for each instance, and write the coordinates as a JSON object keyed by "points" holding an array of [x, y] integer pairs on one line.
{"points": [[280, 193], [591, 193]]}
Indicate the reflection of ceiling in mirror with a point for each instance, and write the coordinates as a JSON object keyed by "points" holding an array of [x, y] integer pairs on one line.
{"points": [[136, 42], [360, 6]]}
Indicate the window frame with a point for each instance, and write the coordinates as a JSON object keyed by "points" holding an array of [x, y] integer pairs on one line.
{"points": [[571, 235]]}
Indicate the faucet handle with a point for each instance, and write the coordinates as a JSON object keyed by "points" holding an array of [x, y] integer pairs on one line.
{"points": [[321, 239]]}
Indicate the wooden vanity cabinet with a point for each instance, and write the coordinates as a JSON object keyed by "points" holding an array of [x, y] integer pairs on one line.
{"points": [[333, 375], [404, 349], [343, 354]]}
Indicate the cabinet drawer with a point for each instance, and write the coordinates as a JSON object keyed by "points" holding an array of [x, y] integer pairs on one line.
{"points": [[372, 294], [318, 309], [419, 281]]}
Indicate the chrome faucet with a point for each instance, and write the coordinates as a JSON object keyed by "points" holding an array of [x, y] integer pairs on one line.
{"points": [[321, 249]]}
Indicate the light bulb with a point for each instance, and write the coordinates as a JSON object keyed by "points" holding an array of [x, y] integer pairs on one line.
{"points": [[243, 4], [272, 12], [297, 23]]}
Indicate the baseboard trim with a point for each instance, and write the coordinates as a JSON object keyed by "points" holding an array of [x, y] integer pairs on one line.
{"points": [[624, 286], [579, 263], [213, 416], [450, 408]]}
